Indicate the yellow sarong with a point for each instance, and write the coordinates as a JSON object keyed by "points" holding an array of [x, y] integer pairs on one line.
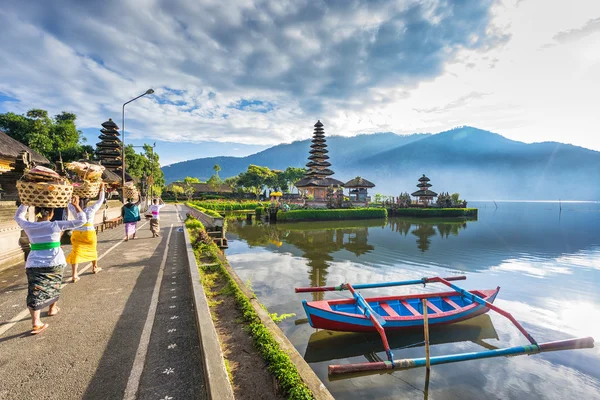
{"points": [[84, 247]]}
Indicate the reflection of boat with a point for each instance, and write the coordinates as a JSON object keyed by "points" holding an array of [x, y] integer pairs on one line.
{"points": [[398, 312], [329, 345]]}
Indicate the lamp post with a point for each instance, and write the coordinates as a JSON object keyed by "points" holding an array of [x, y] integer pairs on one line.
{"points": [[149, 91]]}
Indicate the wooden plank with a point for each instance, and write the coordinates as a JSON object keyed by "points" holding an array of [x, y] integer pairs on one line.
{"points": [[453, 304], [426, 326], [389, 310], [434, 307], [410, 308]]}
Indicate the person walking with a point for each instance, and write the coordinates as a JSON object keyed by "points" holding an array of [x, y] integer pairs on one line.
{"points": [[46, 262], [84, 240], [131, 216], [154, 221]]}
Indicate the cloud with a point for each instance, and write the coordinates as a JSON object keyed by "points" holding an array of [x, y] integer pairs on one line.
{"points": [[458, 103], [572, 35], [279, 64]]}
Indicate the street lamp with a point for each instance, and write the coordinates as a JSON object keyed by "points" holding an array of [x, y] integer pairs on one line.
{"points": [[149, 91]]}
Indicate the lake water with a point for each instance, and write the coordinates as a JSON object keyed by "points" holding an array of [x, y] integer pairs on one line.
{"points": [[546, 261]]}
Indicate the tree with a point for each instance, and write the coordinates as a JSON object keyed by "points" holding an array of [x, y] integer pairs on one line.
{"points": [[50, 137], [214, 182], [145, 164], [233, 183], [293, 175], [188, 187], [255, 178], [216, 168], [176, 190]]}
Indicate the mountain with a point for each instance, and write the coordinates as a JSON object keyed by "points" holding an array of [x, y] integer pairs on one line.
{"points": [[474, 162]]}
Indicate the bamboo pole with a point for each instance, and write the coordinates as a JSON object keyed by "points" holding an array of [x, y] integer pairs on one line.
{"points": [[426, 325]]}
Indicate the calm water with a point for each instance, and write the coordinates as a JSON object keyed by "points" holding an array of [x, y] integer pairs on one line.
{"points": [[547, 263]]}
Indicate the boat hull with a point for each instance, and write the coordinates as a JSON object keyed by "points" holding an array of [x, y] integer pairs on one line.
{"points": [[398, 312]]}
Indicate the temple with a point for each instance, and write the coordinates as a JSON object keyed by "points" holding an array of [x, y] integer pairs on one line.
{"points": [[108, 150], [317, 178], [357, 189], [424, 195]]}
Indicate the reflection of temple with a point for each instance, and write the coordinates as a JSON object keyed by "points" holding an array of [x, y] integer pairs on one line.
{"points": [[317, 245], [424, 230]]}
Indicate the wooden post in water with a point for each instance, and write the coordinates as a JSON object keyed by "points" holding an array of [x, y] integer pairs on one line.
{"points": [[426, 325]]}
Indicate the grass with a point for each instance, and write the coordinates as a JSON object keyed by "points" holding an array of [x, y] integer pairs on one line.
{"points": [[227, 205], [279, 363], [328, 215]]}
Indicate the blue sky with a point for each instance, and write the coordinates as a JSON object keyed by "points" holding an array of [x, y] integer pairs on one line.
{"points": [[233, 77]]}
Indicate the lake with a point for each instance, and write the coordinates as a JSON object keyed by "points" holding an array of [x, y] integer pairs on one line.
{"points": [[546, 261]]}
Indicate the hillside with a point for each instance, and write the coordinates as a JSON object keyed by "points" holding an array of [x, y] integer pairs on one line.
{"points": [[477, 163]]}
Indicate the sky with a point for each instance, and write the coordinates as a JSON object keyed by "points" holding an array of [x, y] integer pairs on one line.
{"points": [[235, 77]]}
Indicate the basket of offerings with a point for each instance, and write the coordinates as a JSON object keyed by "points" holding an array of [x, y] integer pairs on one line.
{"points": [[42, 187], [89, 179], [130, 192]]}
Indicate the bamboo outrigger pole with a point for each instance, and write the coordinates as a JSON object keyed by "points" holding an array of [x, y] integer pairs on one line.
{"points": [[426, 327]]}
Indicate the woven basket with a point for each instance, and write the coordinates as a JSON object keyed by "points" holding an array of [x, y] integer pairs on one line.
{"points": [[53, 195], [87, 189], [130, 192]]}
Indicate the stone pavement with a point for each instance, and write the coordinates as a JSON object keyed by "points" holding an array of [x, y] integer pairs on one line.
{"points": [[128, 332]]}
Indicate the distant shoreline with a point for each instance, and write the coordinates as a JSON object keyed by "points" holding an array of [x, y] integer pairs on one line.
{"points": [[536, 201]]}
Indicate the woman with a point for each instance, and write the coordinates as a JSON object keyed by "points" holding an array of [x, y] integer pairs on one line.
{"points": [[46, 262], [131, 216], [154, 221], [84, 240]]}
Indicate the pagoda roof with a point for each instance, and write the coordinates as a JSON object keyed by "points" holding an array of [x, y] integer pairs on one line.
{"points": [[359, 182], [319, 124], [318, 145], [318, 182], [11, 148], [317, 156], [424, 185], [109, 138], [110, 124], [318, 164], [318, 151], [317, 172], [424, 193], [424, 179], [110, 132]]}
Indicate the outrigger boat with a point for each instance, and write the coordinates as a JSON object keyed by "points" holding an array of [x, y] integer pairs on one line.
{"points": [[406, 312]]}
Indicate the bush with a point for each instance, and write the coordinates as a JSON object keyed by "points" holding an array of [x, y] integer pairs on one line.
{"points": [[324, 215], [210, 213], [435, 212], [226, 205]]}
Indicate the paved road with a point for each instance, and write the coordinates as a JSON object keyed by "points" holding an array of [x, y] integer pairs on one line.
{"points": [[125, 333]]}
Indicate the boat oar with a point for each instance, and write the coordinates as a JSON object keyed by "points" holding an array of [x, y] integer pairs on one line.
{"points": [[569, 344], [344, 286]]}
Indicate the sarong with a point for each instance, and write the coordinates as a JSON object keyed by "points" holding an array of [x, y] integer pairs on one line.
{"points": [[130, 228], [84, 247], [43, 286], [154, 226]]}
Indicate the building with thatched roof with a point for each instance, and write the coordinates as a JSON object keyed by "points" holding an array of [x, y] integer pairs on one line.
{"points": [[424, 194], [358, 188], [317, 177], [11, 148]]}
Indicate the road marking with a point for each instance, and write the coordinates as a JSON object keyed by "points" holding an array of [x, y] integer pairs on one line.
{"points": [[133, 383], [25, 312]]}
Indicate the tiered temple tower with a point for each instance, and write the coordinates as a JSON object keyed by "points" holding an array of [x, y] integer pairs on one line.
{"points": [[109, 149], [317, 178], [424, 194]]}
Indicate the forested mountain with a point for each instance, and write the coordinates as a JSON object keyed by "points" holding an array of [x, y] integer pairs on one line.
{"points": [[477, 163]]}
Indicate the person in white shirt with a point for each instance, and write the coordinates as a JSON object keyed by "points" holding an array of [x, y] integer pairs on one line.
{"points": [[154, 221], [84, 240], [46, 261]]}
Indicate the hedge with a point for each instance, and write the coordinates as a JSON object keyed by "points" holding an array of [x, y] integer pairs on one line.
{"points": [[208, 212], [279, 363], [325, 214], [227, 205], [435, 212]]}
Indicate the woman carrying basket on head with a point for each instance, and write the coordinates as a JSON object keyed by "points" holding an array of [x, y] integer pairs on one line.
{"points": [[131, 216], [84, 240], [155, 212], [46, 262]]}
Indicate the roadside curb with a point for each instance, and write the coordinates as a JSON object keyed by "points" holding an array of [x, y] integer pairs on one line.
{"points": [[217, 381]]}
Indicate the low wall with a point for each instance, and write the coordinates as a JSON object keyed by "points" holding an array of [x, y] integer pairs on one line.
{"points": [[434, 212]]}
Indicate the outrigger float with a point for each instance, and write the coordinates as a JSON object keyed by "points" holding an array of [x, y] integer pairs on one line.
{"points": [[379, 314]]}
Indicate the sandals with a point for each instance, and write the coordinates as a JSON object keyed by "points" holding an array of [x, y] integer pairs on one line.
{"points": [[52, 314], [96, 270], [75, 279], [37, 329]]}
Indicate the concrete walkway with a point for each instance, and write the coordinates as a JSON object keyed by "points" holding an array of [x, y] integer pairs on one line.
{"points": [[126, 333]]}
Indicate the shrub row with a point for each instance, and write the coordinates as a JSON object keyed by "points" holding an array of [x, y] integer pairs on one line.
{"points": [[206, 211], [227, 205], [279, 363], [435, 212], [324, 214]]}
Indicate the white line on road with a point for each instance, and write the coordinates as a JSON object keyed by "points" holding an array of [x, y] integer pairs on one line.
{"points": [[25, 312], [133, 384]]}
